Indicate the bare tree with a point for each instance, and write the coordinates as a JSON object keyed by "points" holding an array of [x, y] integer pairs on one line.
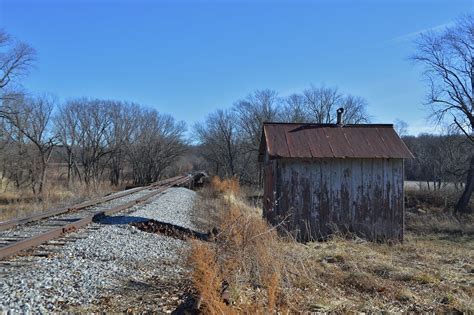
{"points": [[448, 60], [294, 109], [15, 155], [155, 145], [124, 123], [355, 109], [220, 142], [401, 127], [67, 130], [251, 112], [319, 105], [93, 137], [16, 58], [32, 119]]}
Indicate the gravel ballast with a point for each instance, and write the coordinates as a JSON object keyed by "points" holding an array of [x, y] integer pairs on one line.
{"points": [[108, 259]]}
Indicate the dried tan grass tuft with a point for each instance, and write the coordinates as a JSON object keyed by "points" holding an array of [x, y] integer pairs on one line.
{"points": [[229, 185], [207, 279]]}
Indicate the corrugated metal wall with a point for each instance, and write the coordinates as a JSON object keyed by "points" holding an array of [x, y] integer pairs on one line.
{"points": [[318, 197]]}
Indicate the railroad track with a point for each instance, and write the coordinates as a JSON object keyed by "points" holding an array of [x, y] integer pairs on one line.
{"points": [[27, 233]]}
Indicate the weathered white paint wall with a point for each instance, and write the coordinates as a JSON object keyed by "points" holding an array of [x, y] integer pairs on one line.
{"points": [[318, 197]]}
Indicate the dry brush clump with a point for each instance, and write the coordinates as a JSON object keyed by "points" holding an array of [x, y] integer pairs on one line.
{"points": [[245, 257], [254, 269], [226, 186]]}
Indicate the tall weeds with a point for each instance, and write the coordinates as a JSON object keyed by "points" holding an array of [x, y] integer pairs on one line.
{"points": [[207, 278], [244, 257], [250, 269]]}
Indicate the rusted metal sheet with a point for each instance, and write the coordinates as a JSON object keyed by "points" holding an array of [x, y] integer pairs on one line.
{"points": [[338, 142], [316, 139], [317, 197], [360, 145], [276, 142], [297, 146], [287, 140]]}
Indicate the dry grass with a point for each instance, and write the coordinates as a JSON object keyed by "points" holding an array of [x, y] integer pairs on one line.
{"points": [[439, 222], [432, 212], [207, 279], [225, 186], [439, 200], [267, 272], [21, 203], [242, 257]]}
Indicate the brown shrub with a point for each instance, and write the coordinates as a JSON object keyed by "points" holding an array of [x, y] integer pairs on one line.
{"points": [[207, 278], [247, 255], [251, 257], [229, 185]]}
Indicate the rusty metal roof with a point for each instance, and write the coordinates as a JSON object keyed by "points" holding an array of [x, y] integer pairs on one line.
{"points": [[291, 140]]}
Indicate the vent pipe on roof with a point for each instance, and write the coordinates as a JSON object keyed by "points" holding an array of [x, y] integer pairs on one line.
{"points": [[340, 117]]}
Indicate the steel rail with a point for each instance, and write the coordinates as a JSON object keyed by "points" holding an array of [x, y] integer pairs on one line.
{"points": [[39, 239], [5, 225]]}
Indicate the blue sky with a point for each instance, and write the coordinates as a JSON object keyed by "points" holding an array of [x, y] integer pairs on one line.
{"points": [[188, 58]]}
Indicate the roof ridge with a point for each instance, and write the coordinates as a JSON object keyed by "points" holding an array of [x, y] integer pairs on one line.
{"points": [[329, 125]]}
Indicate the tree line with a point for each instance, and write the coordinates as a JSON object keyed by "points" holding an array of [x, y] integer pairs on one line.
{"points": [[439, 160], [229, 139], [94, 138]]}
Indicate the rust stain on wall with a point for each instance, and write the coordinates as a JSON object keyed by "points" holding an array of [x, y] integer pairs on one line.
{"points": [[319, 179]]}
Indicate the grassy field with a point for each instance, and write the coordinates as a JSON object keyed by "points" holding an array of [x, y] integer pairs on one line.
{"points": [[251, 268], [19, 203]]}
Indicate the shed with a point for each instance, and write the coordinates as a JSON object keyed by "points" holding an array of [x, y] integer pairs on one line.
{"points": [[326, 178]]}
